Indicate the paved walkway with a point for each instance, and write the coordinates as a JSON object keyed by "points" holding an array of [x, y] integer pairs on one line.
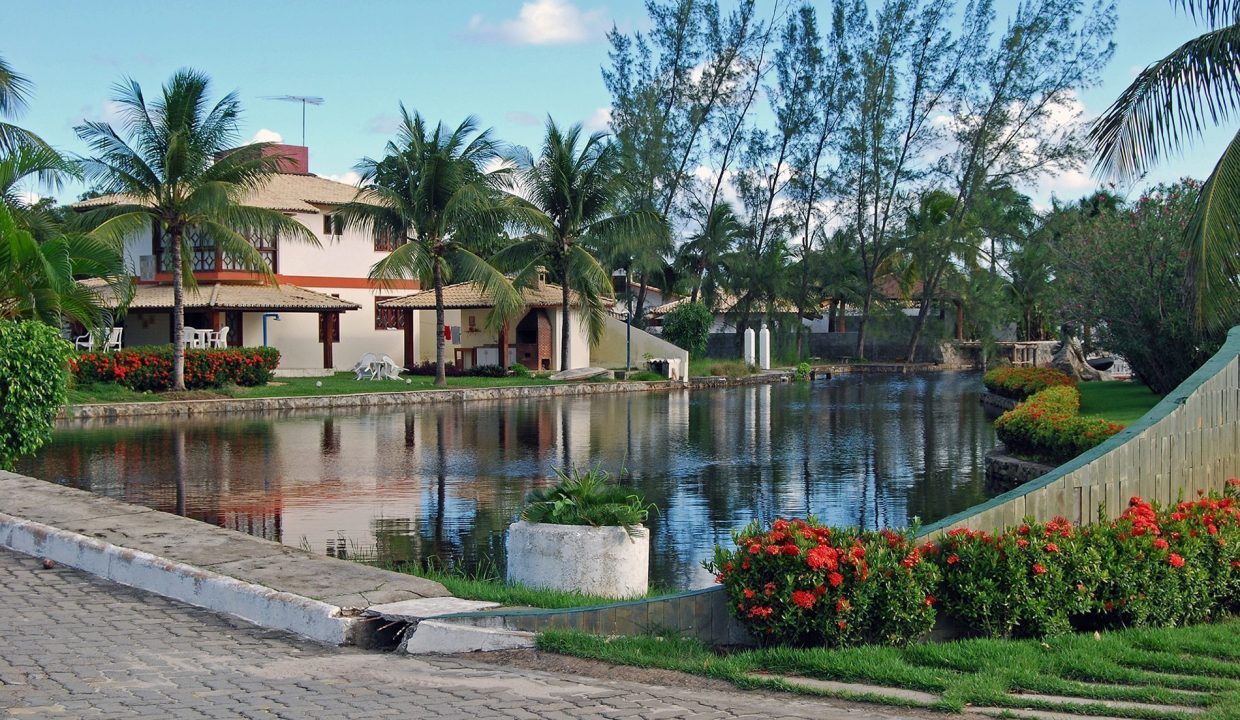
{"points": [[73, 646]]}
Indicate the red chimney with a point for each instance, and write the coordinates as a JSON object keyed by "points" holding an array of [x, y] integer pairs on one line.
{"points": [[296, 157]]}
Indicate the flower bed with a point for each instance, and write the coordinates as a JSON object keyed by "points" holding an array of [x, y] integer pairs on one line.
{"points": [[801, 583], [1019, 383], [150, 368], [1048, 428]]}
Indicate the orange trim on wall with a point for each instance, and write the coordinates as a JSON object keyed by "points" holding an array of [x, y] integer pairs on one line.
{"points": [[310, 281]]}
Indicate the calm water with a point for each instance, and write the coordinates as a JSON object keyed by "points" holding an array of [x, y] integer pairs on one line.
{"points": [[445, 481]]}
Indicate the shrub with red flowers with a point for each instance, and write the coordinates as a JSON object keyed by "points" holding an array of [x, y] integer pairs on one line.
{"points": [[1027, 582], [150, 368], [1019, 383], [1165, 567], [1046, 427], [801, 583]]}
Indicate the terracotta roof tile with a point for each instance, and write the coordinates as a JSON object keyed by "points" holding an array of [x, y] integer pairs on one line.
{"points": [[285, 192], [220, 296]]}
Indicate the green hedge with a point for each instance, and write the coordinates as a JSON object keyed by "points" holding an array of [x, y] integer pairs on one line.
{"points": [[32, 386], [1019, 383], [1048, 428], [150, 368]]}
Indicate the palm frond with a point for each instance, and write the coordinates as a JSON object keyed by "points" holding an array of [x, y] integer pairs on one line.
{"points": [[468, 267], [1170, 103], [1214, 13], [1214, 245]]}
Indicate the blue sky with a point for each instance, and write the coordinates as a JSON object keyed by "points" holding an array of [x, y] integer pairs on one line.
{"points": [[509, 62]]}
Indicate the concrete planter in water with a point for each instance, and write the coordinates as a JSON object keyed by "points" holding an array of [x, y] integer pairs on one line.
{"points": [[604, 561]]}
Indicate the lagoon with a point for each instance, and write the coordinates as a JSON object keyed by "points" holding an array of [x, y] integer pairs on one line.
{"points": [[442, 482]]}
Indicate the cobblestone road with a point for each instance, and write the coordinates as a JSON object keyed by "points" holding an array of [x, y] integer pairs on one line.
{"points": [[73, 646]]}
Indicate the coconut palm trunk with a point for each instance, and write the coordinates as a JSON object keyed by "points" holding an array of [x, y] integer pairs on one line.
{"points": [[178, 312], [441, 375], [565, 359]]}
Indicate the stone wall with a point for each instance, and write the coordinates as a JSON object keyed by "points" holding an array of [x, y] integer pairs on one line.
{"points": [[1005, 472], [997, 404]]}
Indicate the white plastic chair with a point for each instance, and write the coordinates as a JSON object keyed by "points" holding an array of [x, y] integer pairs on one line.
{"points": [[188, 334], [84, 342], [219, 338], [366, 367], [114, 339], [388, 369]]}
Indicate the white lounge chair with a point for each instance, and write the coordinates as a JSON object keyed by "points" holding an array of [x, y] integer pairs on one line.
{"points": [[114, 339], [388, 369], [366, 367], [84, 342]]}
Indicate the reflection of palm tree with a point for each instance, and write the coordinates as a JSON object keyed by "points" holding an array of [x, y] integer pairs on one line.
{"points": [[1168, 106]]}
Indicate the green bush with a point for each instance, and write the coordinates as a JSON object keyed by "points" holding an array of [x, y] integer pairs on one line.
{"points": [[802, 372], [1019, 383], [519, 370], [1046, 427], [688, 326], [33, 357], [802, 583], [150, 368], [588, 498]]}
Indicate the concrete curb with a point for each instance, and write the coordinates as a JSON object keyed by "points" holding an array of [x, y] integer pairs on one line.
{"points": [[257, 604]]}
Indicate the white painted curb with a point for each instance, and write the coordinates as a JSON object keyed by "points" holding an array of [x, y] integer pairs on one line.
{"points": [[260, 605], [437, 637]]}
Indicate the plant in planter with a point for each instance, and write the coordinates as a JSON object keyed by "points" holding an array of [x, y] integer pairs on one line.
{"points": [[586, 533]]}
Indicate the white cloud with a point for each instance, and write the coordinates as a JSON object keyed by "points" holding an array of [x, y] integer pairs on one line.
{"points": [[265, 135], [520, 117], [543, 22], [27, 197], [382, 124], [107, 111], [599, 120], [349, 177]]}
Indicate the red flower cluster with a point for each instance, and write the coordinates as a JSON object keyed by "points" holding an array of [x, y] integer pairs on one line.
{"points": [[1047, 426], [1019, 383]]}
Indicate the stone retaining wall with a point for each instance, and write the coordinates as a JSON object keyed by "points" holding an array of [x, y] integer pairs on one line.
{"points": [[997, 404], [1005, 472], [407, 397]]}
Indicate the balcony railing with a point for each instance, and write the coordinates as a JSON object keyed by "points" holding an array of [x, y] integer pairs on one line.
{"points": [[205, 257]]}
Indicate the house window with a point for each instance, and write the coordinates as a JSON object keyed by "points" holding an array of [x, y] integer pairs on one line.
{"points": [[387, 318], [328, 224], [386, 240]]}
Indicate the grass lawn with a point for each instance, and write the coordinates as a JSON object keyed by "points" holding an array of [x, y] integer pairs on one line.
{"points": [[702, 367], [341, 383], [1196, 667], [1119, 402], [488, 586]]}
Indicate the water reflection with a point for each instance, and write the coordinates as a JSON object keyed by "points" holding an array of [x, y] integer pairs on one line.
{"points": [[445, 481]]}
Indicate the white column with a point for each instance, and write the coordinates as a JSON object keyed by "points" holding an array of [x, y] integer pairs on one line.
{"points": [[749, 356], [764, 348]]}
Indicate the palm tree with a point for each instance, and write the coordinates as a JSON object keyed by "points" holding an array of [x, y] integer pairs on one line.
{"points": [[15, 90], [1165, 108], [43, 165], [433, 193], [577, 189], [701, 256], [39, 280], [175, 167]]}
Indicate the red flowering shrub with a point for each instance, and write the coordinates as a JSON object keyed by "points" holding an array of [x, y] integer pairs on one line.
{"points": [[802, 583], [1027, 582], [1047, 427], [150, 368], [1019, 383], [1171, 567]]}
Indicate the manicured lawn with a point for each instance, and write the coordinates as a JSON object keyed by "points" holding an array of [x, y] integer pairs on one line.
{"points": [[1196, 666], [341, 383], [702, 367], [1119, 402], [486, 585]]}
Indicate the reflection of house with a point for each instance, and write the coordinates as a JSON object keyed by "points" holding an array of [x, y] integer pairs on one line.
{"points": [[534, 340], [317, 286]]}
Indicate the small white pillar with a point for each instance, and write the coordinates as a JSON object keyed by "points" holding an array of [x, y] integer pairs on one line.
{"points": [[764, 348], [749, 338]]}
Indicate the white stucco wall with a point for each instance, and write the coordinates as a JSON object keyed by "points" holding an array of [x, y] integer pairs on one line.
{"points": [[578, 340], [610, 351]]}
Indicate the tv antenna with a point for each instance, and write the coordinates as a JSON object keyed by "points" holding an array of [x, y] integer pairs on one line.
{"points": [[304, 100]]}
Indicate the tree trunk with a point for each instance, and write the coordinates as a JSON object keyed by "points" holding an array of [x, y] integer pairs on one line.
{"points": [[866, 301], [639, 308], [564, 318], [918, 326], [441, 377], [178, 313]]}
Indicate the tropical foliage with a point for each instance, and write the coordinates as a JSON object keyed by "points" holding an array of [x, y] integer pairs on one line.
{"points": [[174, 165], [587, 498], [434, 194], [1048, 426], [149, 369], [32, 386], [1019, 383], [688, 326]]}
